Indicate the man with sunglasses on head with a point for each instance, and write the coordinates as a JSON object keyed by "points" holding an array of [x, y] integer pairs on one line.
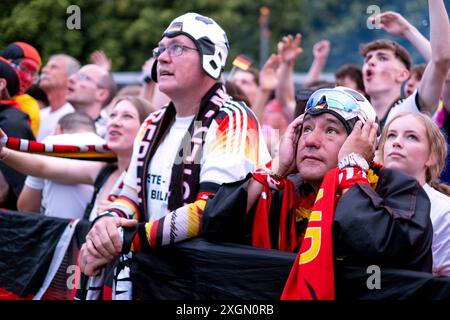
{"points": [[326, 199], [27, 62], [183, 152], [90, 90]]}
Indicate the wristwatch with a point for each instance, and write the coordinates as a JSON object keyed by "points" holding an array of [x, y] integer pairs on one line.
{"points": [[354, 160]]}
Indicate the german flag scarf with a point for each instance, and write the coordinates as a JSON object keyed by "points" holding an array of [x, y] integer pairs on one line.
{"points": [[184, 181], [312, 276], [286, 239]]}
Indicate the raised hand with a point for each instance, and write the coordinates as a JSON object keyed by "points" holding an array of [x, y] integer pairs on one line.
{"points": [[393, 23], [268, 79], [100, 58], [321, 50], [289, 48]]}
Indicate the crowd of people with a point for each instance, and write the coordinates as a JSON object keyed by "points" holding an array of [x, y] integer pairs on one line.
{"points": [[353, 170]]}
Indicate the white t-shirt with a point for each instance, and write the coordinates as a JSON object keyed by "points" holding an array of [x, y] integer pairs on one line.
{"points": [[440, 218], [406, 105], [49, 120], [230, 152], [158, 179], [61, 200]]}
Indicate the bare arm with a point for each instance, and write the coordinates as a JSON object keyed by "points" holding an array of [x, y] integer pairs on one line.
{"points": [[431, 86], [268, 81], [65, 171], [254, 189], [395, 24], [29, 200], [289, 50], [321, 50]]}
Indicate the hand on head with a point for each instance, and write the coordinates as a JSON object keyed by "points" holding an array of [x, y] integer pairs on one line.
{"points": [[362, 140], [284, 163]]}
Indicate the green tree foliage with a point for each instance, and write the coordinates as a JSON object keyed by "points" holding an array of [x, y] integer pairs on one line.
{"points": [[128, 30]]}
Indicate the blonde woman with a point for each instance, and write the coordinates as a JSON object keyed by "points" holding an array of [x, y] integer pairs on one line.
{"points": [[124, 122], [412, 142]]}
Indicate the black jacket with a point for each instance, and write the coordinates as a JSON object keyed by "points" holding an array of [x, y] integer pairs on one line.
{"points": [[388, 227], [14, 123]]}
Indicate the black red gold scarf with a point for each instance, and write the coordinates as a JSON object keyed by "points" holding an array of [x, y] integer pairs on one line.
{"points": [[187, 172], [287, 238], [312, 276]]}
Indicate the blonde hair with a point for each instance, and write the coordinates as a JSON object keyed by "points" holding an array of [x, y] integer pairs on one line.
{"points": [[142, 106], [438, 148]]}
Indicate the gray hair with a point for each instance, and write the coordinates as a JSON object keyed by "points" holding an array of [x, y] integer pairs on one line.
{"points": [[72, 64]]}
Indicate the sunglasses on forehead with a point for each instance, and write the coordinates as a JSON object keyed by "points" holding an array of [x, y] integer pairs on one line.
{"points": [[344, 103]]}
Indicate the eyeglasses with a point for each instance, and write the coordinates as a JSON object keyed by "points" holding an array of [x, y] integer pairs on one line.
{"points": [[174, 50], [84, 77]]}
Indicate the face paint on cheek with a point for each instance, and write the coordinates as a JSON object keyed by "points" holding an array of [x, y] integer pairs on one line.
{"points": [[384, 75], [25, 80]]}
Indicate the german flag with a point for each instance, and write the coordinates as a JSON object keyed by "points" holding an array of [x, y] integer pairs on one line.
{"points": [[242, 62]]}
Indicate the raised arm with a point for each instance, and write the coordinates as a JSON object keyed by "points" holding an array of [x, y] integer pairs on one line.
{"points": [[395, 24], [433, 79], [320, 50], [100, 58], [66, 171], [289, 50], [268, 81]]}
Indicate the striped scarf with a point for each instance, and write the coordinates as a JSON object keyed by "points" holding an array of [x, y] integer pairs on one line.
{"points": [[85, 152], [184, 182]]}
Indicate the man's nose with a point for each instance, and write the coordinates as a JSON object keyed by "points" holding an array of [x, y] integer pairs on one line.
{"points": [[164, 56], [313, 139], [72, 79], [371, 61]]}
